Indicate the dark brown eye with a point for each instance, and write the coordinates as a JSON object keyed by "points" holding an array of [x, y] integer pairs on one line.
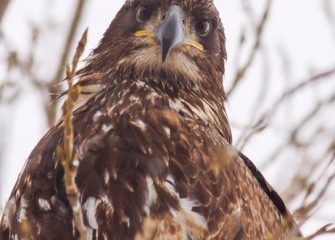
{"points": [[143, 14], [203, 27]]}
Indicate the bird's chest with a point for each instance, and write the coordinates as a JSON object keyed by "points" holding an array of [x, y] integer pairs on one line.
{"points": [[146, 166]]}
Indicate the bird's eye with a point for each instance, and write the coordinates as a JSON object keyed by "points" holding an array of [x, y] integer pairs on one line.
{"points": [[143, 14], [203, 27]]}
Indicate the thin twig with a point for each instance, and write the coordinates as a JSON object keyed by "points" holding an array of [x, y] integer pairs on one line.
{"points": [[263, 92], [3, 7], [328, 228], [296, 130], [265, 119], [53, 86], [301, 85], [310, 166], [259, 33], [306, 208], [66, 153]]}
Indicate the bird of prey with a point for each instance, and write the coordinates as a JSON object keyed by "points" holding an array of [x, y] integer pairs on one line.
{"points": [[153, 142]]}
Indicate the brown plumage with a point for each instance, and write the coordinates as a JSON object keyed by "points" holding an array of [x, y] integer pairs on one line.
{"points": [[153, 139]]}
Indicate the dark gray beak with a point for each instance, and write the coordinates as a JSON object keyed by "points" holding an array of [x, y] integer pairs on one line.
{"points": [[170, 33]]}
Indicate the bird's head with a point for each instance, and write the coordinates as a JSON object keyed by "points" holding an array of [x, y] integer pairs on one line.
{"points": [[175, 47], [179, 39]]}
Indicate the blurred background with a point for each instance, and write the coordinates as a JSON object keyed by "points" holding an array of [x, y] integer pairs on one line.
{"points": [[280, 80]]}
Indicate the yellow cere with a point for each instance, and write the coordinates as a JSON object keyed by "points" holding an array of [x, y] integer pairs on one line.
{"points": [[195, 44], [144, 33]]}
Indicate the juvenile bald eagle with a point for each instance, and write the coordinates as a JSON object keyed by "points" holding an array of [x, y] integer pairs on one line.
{"points": [[153, 140]]}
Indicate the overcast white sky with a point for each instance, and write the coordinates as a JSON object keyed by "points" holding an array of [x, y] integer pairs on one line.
{"points": [[298, 29]]}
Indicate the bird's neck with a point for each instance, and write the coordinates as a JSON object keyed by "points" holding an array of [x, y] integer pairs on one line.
{"points": [[200, 101], [189, 102]]}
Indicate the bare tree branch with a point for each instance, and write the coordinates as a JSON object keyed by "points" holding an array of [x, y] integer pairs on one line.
{"points": [[307, 207], [313, 113], [68, 157], [259, 33], [3, 7], [53, 86], [318, 77], [265, 119], [328, 228]]}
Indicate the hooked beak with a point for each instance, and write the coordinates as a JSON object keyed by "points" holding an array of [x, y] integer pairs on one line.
{"points": [[170, 33]]}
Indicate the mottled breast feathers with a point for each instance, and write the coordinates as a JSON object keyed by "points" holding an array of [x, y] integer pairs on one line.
{"points": [[153, 140]]}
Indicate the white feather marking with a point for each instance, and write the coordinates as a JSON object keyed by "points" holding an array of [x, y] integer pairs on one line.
{"points": [[22, 212], [90, 207], [150, 150], [151, 195], [44, 204], [106, 128], [210, 112], [207, 114], [169, 184], [187, 204], [170, 179], [167, 131], [139, 123], [199, 112], [110, 111], [97, 115], [105, 236], [126, 220], [185, 215], [38, 158], [106, 176], [27, 180], [105, 199], [177, 105], [38, 229], [134, 98], [9, 212], [139, 84], [90, 233], [17, 193], [152, 95]]}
